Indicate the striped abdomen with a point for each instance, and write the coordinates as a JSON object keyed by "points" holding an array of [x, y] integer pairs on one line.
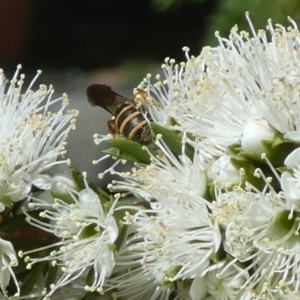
{"points": [[131, 123]]}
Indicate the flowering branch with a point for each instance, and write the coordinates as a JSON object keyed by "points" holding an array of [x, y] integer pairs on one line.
{"points": [[210, 209]]}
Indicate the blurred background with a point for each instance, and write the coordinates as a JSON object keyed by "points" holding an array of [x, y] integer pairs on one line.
{"points": [[115, 42]]}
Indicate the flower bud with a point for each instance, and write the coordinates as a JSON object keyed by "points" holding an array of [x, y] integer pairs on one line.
{"points": [[290, 179], [224, 172], [260, 137], [198, 288], [254, 134]]}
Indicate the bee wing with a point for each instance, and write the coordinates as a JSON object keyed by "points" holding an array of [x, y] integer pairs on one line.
{"points": [[103, 96]]}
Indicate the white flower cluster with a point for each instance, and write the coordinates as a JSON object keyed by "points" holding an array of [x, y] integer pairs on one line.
{"points": [[214, 212], [32, 138], [223, 223]]}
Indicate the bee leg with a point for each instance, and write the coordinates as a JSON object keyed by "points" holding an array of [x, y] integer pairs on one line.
{"points": [[111, 124]]}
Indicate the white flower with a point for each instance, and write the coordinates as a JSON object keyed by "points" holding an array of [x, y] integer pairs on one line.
{"points": [[32, 137], [61, 175], [163, 250], [226, 282], [86, 234], [132, 281], [168, 179], [262, 231], [223, 172], [175, 239], [290, 180], [180, 237], [8, 260]]}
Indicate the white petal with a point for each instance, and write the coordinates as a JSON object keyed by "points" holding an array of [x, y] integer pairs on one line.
{"points": [[198, 289], [43, 182], [293, 159]]}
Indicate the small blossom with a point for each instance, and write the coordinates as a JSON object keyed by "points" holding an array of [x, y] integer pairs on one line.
{"points": [[167, 179], [166, 249], [226, 282], [86, 233], [262, 229]]}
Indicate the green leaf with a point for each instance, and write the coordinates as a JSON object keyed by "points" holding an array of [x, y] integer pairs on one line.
{"points": [[7, 201], [234, 150], [30, 281], [122, 236], [249, 168], [64, 197], [280, 151], [103, 195], [276, 150], [96, 296], [173, 140], [284, 169], [51, 276], [78, 178], [129, 150]]}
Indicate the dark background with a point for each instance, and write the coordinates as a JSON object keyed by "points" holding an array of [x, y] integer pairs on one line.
{"points": [[88, 34]]}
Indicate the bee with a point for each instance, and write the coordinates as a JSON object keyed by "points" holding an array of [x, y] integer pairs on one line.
{"points": [[127, 118]]}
